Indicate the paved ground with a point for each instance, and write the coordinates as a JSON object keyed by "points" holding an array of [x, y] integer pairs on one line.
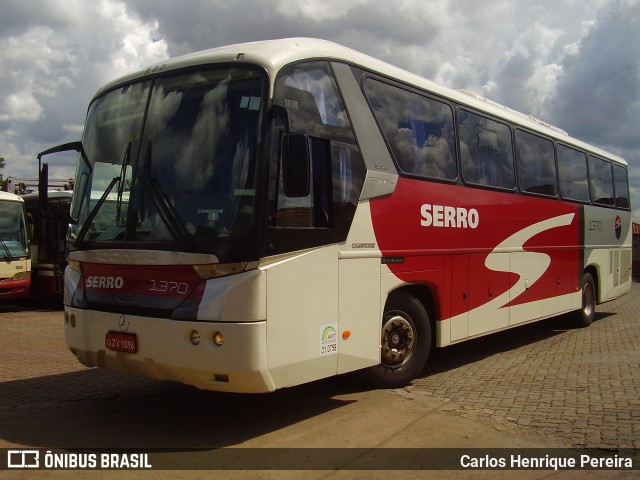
{"points": [[541, 385], [579, 386]]}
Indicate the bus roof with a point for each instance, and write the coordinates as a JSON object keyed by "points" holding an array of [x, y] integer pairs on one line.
{"points": [[10, 197], [50, 194], [275, 54]]}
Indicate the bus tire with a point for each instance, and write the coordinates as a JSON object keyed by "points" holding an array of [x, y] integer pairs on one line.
{"points": [[405, 342], [584, 317]]}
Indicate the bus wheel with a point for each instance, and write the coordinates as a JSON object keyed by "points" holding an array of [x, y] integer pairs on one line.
{"points": [[587, 312], [405, 342]]}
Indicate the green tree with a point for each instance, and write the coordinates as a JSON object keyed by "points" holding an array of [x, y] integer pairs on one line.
{"points": [[1, 167]]}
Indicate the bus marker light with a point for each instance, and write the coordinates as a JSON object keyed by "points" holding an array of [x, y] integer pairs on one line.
{"points": [[194, 337], [346, 334], [218, 339]]}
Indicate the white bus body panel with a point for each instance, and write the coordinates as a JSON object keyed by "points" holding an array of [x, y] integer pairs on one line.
{"points": [[166, 353], [361, 302], [611, 257]]}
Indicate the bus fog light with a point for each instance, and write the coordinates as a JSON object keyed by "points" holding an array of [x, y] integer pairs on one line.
{"points": [[218, 339], [195, 337]]}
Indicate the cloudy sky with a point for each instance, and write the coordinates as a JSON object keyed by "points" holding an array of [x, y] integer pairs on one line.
{"points": [[573, 63]]}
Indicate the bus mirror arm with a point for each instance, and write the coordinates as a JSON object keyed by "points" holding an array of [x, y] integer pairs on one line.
{"points": [[43, 183], [278, 111], [66, 147]]}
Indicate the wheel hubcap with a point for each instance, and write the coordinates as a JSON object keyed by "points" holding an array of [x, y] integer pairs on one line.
{"points": [[398, 338]]}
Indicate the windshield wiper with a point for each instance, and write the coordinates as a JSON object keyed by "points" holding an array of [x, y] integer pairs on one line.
{"points": [[123, 174], [6, 249], [165, 209], [92, 215]]}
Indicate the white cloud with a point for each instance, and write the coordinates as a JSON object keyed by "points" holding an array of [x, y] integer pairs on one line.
{"points": [[573, 63], [21, 106], [52, 64], [525, 79], [322, 11], [133, 44]]}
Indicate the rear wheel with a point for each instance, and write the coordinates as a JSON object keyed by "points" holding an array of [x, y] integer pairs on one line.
{"points": [[584, 317], [405, 342]]}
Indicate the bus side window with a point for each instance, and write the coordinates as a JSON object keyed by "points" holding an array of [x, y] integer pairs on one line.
{"points": [[536, 164], [418, 129], [309, 93], [572, 169], [313, 210], [485, 151], [601, 181], [621, 184]]}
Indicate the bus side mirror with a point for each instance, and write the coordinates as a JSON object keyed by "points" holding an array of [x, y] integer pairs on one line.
{"points": [[296, 165]]}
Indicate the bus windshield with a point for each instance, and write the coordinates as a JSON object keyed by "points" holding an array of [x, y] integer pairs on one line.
{"points": [[171, 162], [14, 240]]}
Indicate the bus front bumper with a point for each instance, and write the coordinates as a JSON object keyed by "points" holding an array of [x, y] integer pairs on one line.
{"points": [[167, 349], [10, 289]]}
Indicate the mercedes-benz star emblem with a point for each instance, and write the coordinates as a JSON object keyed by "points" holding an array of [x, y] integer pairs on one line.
{"points": [[124, 323]]}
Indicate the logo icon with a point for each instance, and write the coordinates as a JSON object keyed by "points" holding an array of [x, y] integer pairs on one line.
{"points": [[618, 227], [123, 323], [23, 459], [328, 339]]}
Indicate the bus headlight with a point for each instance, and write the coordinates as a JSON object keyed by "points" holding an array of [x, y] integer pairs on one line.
{"points": [[74, 265], [22, 276], [195, 337], [218, 339], [215, 270]]}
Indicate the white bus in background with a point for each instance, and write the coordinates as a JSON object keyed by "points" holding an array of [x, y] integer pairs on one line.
{"points": [[15, 257], [288, 210], [24, 186]]}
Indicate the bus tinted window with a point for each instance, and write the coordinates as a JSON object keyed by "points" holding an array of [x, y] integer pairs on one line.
{"points": [[622, 186], [572, 168], [485, 151], [419, 130], [310, 94], [601, 181], [536, 164]]}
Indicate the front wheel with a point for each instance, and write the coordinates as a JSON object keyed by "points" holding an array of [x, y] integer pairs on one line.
{"points": [[584, 317], [405, 342]]}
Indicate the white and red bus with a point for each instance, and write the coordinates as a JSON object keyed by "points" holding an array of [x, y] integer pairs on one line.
{"points": [[262, 215], [15, 257]]}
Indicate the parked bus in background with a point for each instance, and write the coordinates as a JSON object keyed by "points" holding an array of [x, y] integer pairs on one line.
{"points": [[292, 209], [15, 259], [48, 244], [24, 186]]}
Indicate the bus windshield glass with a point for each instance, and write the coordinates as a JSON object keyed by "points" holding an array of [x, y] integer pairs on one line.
{"points": [[171, 161], [14, 240]]}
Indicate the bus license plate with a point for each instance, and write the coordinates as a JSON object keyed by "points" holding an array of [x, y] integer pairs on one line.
{"points": [[122, 342]]}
